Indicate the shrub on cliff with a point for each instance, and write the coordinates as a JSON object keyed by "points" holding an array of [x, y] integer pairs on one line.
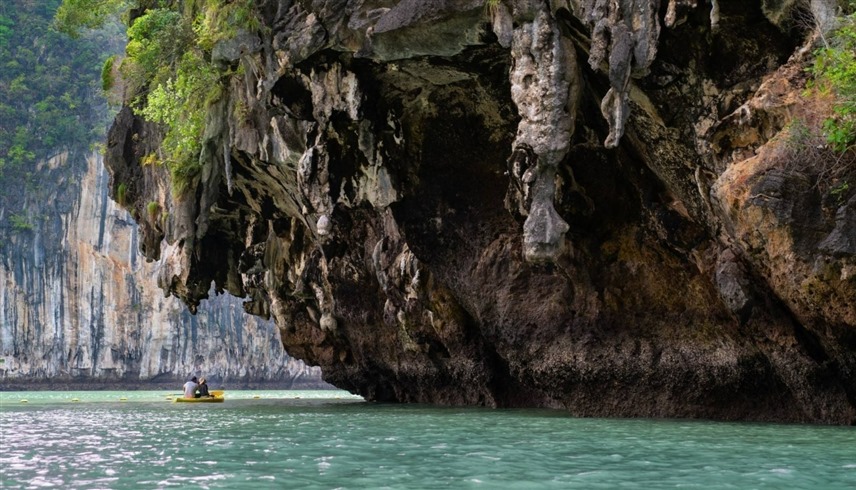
{"points": [[20, 222], [834, 71], [803, 148], [167, 73], [153, 208], [121, 194], [175, 86]]}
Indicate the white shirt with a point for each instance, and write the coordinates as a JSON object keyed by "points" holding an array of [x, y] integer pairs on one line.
{"points": [[190, 389]]}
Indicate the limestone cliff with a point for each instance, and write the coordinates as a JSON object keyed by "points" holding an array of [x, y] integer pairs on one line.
{"points": [[570, 204], [78, 305]]}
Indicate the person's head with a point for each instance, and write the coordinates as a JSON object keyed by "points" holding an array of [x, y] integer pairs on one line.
{"points": [[202, 381], [193, 379]]}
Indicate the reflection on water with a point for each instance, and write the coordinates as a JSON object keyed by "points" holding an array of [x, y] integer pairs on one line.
{"points": [[334, 440]]}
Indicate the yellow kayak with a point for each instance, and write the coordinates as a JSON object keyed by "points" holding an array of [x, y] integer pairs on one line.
{"points": [[213, 399], [217, 396]]}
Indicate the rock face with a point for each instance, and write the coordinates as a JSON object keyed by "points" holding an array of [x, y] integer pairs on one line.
{"points": [[78, 305], [565, 204]]}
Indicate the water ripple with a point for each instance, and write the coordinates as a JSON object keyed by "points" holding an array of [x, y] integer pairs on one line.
{"points": [[313, 442]]}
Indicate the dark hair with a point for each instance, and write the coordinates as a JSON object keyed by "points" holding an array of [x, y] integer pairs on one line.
{"points": [[193, 379]]}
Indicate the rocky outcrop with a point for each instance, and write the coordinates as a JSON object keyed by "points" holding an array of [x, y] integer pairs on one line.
{"points": [[78, 306], [442, 201]]}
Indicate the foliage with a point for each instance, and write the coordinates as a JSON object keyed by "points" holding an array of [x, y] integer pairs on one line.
{"points": [[156, 40], [803, 149], [168, 68], [122, 194], [74, 15], [491, 4], [181, 104], [150, 159], [167, 74], [241, 111], [153, 208], [107, 78], [7, 30], [839, 192], [47, 86], [221, 20], [834, 71], [20, 222]]}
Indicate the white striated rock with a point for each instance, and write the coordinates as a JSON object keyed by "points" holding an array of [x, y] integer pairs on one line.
{"points": [[76, 302]]}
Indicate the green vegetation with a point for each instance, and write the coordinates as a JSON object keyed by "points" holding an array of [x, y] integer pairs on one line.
{"points": [[47, 86], [168, 67], [72, 16], [847, 6], [20, 222], [834, 72], [490, 7], [173, 86], [107, 77], [222, 19], [167, 73], [153, 208], [839, 192], [821, 139], [156, 41], [180, 103], [804, 148], [122, 194]]}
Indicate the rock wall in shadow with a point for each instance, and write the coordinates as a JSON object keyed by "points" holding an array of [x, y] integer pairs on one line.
{"points": [[568, 204]]}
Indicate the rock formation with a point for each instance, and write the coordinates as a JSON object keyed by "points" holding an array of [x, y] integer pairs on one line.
{"points": [[78, 306], [572, 204]]}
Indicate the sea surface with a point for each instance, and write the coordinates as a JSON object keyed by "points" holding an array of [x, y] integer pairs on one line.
{"points": [[330, 439]]}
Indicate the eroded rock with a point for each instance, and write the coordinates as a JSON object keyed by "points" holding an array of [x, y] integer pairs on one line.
{"points": [[545, 88], [422, 202]]}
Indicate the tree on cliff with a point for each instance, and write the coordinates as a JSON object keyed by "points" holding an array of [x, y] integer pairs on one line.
{"points": [[835, 72]]}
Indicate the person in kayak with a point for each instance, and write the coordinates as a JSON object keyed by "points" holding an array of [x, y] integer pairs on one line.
{"points": [[202, 389], [190, 388]]}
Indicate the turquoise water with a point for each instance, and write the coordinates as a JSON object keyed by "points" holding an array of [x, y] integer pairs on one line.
{"points": [[287, 439]]}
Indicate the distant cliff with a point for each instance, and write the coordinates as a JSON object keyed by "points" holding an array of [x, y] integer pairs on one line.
{"points": [[79, 306], [603, 206]]}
